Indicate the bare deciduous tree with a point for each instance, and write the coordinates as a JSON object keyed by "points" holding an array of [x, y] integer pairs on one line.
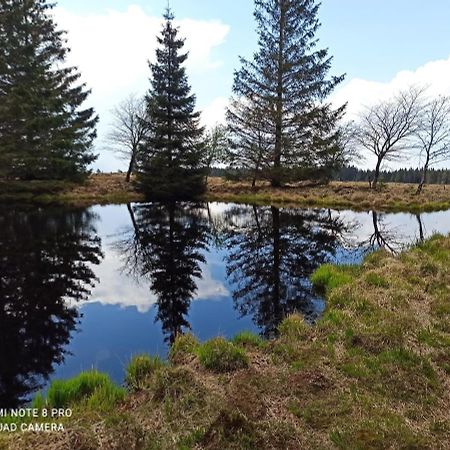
{"points": [[434, 135], [348, 149], [128, 129], [388, 129], [216, 147]]}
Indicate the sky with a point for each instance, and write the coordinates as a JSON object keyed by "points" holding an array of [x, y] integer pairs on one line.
{"points": [[381, 45]]}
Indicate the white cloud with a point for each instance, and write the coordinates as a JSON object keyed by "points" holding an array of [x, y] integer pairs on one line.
{"points": [[112, 50], [214, 113], [118, 289], [359, 92]]}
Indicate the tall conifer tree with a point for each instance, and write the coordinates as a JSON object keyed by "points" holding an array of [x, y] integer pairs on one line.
{"points": [[44, 131], [287, 84], [171, 159]]}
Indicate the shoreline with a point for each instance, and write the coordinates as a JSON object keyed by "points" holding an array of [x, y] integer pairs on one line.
{"points": [[112, 189], [373, 372]]}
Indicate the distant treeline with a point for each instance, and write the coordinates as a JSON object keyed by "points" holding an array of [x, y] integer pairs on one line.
{"points": [[351, 173], [434, 176]]}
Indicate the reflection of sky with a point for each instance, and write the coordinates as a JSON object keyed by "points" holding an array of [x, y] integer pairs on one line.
{"points": [[116, 288], [119, 318], [402, 228]]}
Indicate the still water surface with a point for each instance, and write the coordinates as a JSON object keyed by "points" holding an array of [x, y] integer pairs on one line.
{"points": [[84, 288]]}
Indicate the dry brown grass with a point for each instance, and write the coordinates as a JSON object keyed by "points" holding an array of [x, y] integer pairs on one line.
{"points": [[103, 188], [112, 188], [393, 196]]}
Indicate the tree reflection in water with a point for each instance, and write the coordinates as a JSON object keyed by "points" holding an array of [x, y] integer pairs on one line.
{"points": [[271, 254], [45, 258], [165, 246]]}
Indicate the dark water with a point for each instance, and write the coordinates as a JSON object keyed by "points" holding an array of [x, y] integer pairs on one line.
{"points": [[88, 288]]}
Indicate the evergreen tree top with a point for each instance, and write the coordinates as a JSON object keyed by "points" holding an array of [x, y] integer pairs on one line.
{"points": [[170, 161], [45, 130], [168, 14]]}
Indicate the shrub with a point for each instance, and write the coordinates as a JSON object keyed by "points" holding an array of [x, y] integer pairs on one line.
{"points": [[220, 355], [140, 368]]}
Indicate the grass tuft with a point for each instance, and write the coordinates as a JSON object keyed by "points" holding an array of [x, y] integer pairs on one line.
{"points": [[139, 369], [92, 387], [220, 355], [185, 345], [294, 328], [328, 277], [248, 339]]}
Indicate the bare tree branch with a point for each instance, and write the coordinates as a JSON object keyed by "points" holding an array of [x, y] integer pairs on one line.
{"points": [[128, 129], [388, 129], [434, 135]]}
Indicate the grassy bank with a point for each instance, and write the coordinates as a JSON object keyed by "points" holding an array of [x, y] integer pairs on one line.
{"points": [[374, 373], [97, 189], [354, 195], [112, 188]]}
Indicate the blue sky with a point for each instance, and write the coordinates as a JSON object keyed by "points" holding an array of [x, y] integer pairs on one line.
{"points": [[380, 44]]}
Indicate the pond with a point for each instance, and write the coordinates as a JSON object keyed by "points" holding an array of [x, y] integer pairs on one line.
{"points": [[84, 288]]}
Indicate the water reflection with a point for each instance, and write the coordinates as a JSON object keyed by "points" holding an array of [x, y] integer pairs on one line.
{"points": [[45, 263], [216, 268], [165, 247], [270, 255]]}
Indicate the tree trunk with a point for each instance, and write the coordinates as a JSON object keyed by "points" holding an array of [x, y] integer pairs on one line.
{"points": [[276, 254], [424, 175], [377, 174], [257, 164], [131, 167], [421, 233], [276, 182]]}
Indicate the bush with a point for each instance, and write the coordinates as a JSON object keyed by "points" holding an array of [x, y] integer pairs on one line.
{"points": [[140, 368], [220, 355], [87, 385]]}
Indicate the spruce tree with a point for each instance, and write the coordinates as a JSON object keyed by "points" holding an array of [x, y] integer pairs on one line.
{"points": [[45, 133], [287, 84], [166, 246], [47, 266], [171, 159]]}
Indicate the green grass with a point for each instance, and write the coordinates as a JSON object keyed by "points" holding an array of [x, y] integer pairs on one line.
{"points": [[94, 388], [294, 328], [248, 339], [140, 368], [185, 346], [220, 355], [329, 276]]}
